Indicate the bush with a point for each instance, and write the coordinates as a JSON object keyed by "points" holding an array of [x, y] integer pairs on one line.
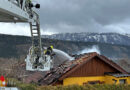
{"points": [[86, 87], [27, 86]]}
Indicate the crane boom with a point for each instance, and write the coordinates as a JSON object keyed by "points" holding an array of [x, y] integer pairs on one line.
{"points": [[21, 11], [10, 10]]}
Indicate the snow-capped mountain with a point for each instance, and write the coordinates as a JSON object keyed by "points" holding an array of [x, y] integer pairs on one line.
{"points": [[111, 38]]}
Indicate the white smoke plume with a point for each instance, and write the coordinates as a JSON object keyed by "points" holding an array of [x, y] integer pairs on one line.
{"points": [[62, 55], [94, 48]]}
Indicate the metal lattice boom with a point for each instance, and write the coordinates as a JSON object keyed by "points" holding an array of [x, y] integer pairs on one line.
{"points": [[22, 11]]}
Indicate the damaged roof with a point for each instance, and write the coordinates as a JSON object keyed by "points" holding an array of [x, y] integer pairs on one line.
{"points": [[34, 78], [67, 67]]}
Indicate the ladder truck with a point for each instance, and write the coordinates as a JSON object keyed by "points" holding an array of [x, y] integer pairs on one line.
{"points": [[22, 11]]}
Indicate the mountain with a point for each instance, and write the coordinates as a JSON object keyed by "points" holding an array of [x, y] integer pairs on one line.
{"points": [[110, 38], [124, 63], [18, 46], [13, 51]]}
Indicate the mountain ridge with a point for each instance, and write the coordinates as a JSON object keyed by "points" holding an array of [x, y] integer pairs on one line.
{"points": [[110, 38], [13, 49], [17, 46]]}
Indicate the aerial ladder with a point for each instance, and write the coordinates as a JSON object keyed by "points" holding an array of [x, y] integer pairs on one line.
{"points": [[22, 11]]}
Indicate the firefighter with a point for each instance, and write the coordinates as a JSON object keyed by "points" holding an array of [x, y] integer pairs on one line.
{"points": [[36, 51], [29, 5], [36, 63], [21, 2], [49, 50], [29, 2]]}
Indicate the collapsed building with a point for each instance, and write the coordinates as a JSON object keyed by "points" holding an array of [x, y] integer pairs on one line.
{"points": [[90, 68]]}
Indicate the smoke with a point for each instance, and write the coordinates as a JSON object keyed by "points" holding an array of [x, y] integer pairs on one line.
{"points": [[94, 48], [62, 55]]}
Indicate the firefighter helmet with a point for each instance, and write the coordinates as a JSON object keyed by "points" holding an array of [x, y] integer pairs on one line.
{"points": [[51, 47]]}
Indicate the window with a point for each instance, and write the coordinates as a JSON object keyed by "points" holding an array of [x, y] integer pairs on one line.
{"points": [[94, 82], [122, 81]]}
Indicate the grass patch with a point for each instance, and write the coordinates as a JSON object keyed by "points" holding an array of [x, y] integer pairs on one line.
{"points": [[85, 87], [27, 86], [71, 87]]}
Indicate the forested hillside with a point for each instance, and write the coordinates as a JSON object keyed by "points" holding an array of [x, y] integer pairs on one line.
{"points": [[12, 47], [17, 46]]}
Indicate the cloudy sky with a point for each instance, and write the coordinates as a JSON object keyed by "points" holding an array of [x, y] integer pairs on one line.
{"points": [[61, 16]]}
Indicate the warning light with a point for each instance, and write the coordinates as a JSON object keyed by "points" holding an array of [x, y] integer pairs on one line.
{"points": [[2, 81]]}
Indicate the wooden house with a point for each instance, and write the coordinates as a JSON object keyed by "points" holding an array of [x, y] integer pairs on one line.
{"points": [[90, 68]]}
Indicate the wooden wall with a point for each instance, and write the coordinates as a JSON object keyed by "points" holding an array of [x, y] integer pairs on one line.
{"points": [[94, 67]]}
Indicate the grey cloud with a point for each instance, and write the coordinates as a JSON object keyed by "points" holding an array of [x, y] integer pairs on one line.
{"points": [[84, 15]]}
